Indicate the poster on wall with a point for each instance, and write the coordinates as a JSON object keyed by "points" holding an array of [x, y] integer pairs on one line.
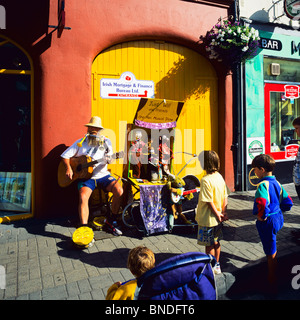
{"points": [[15, 191], [126, 87], [255, 146]]}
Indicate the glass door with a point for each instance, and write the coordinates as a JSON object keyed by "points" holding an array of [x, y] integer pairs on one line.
{"points": [[281, 108]]}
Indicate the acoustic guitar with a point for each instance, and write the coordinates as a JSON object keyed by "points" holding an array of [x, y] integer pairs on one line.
{"points": [[82, 168]]}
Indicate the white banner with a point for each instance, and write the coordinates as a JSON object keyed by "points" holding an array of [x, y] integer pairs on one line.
{"points": [[126, 87]]}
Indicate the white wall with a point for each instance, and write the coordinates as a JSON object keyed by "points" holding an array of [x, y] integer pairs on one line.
{"points": [[267, 11]]}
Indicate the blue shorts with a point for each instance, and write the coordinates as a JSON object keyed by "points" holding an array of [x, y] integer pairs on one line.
{"points": [[268, 230], [92, 183]]}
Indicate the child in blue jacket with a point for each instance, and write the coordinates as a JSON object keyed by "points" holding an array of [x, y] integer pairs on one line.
{"points": [[270, 200]]}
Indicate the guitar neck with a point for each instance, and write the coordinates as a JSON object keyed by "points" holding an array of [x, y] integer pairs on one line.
{"points": [[86, 165], [92, 163], [116, 155]]}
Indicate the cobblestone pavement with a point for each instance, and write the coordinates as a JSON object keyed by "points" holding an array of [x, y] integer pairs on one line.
{"points": [[41, 263]]}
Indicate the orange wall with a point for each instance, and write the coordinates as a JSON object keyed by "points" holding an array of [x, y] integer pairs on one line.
{"points": [[63, 71]]}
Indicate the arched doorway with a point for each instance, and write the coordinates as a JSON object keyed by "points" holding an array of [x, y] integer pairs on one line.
{"points": [[178, 73], [15, 132]]}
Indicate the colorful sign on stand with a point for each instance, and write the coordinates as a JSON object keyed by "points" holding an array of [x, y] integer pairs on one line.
{"points": [[126, 87]]}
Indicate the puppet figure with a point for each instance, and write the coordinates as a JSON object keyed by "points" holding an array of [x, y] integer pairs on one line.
{"points": [[175, 186], [138, 150], [153, 162], [166, 153]]}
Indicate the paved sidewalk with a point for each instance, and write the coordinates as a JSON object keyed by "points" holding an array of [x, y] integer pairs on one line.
{"points": [[41, 262]]}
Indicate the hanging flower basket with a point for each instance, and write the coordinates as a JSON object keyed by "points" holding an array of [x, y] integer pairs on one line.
{"points": [[231, 42]]}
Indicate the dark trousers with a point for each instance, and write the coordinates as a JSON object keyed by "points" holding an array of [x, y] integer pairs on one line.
{"points": [[298, 191]]}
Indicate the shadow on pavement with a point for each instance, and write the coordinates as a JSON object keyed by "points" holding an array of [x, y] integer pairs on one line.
{"points": [[251, 281]]}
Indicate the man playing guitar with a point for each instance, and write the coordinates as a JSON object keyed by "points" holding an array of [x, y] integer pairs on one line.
{"points": [[100, 148]]}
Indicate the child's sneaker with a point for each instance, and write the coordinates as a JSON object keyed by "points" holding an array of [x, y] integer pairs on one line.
{"points": [[217, 268]]}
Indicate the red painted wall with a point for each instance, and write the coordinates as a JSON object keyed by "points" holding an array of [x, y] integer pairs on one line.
{"points": [[62, 93]]}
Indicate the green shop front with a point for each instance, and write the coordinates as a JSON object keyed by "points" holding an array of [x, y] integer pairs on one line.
{"points": [[271, 99]]}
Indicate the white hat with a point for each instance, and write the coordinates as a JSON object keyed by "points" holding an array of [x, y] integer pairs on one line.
{"points": [[95, 122]]}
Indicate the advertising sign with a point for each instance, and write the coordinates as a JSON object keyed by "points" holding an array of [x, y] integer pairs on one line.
{"points": [[126, 87], [255, 146], [292, 8], [291, 92], [253, 178], [15, 191], [291, 151]]}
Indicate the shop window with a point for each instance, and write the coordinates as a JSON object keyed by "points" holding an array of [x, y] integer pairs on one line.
{"points": [[283, 112], [15, 130], [280, 111], [281, 70]]}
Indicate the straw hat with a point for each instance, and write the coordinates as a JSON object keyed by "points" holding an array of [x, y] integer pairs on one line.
{"points": [[95, 122]]}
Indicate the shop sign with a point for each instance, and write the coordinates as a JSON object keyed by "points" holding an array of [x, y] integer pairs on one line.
{"points": [[291, 151], [255, 146], [126, 87], [253, 178], [292, 8], [295, 48], [291, 92], [270, 44]]}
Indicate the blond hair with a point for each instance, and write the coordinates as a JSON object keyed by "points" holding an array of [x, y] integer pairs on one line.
{"points": [[140, 260]]}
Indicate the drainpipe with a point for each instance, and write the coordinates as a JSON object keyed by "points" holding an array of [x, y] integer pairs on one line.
{"points": [[238, 120]]}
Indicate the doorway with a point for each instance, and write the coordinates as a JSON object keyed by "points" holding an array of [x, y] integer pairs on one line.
{"points": [[15, 132], [177, 73]]}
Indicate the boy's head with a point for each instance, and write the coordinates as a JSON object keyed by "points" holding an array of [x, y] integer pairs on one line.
{"points": [[211, 161], [140, 260], [265, 162], [296, 125]]}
